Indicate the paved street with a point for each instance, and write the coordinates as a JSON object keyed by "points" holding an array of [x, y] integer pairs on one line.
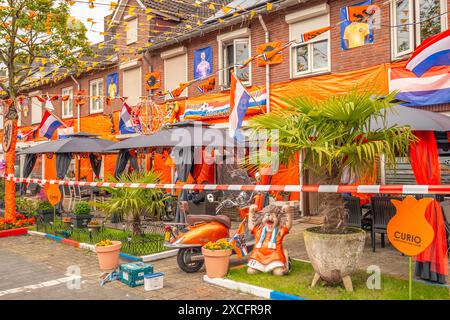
{"points": [[35, 268]]}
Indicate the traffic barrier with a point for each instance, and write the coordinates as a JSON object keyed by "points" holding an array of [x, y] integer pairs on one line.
{"points": [[375, 189]]}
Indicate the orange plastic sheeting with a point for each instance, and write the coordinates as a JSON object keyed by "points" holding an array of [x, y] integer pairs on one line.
{"points": [[325, 86], [285, 176], [319, 87], [159, 166], [50, 167]]}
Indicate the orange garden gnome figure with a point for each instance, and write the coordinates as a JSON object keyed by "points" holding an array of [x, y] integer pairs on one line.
{"points": [[269, 228]]}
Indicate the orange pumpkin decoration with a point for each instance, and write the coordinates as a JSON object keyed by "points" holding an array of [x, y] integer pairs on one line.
{"points": [[409, 231]]}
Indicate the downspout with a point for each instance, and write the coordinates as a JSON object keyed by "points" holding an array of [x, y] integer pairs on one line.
{"points": [[267, 39], [78, 125], [78, 105]]}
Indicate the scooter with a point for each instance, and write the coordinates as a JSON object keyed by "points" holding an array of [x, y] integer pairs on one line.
{"points": [[200, 229]]}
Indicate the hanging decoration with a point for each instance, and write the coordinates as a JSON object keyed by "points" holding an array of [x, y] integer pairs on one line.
{"points": [[7, 135], [269, 53], [152, 81], [207, 85], [172, 111], [356, 29]]}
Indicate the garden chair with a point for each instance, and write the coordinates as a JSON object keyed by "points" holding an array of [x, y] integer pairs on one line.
{"points": [[382, 211], [68, 196], [355, 216], [446, 211], [78, 195]]}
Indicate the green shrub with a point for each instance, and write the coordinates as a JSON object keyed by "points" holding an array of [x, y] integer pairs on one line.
{"points": [[43, 206], [82, 208], [25, 206]]}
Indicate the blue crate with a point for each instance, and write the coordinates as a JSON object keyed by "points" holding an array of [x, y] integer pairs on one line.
{"points": [[132, 274]]}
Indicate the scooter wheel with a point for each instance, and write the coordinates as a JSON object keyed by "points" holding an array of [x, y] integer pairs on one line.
{"points": [[184, 260]]}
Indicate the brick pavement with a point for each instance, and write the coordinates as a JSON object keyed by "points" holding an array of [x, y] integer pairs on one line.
{"points": [[30, 260]]}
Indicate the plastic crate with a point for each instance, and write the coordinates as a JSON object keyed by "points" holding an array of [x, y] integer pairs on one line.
{"points": [[153, 281], [132, 274]]}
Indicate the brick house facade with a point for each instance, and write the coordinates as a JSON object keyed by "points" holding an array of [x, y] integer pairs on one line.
{"points": [[150, 51]]}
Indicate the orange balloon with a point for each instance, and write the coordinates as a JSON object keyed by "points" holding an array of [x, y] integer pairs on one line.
{"points": [[53, 194], [409, 231]]}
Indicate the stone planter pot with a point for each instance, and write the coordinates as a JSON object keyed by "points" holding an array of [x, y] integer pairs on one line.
{"points": [[81, 220], [216, 262], [108, 257], [334, 256]]}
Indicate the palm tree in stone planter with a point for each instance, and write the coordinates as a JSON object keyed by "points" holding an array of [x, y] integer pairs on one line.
{"points": [[132, 202], [337, 141]]}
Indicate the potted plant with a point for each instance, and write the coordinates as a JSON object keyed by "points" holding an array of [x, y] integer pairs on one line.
{"points": [[217, 258], [94, 226], [81, 214], [108, 254], [45, 211], [132, 202], [27, 207], [339, 146]]}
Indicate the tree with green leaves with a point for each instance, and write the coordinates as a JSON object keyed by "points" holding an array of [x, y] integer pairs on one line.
{"points": [[337, 140], [38, 38], [135, 202]]}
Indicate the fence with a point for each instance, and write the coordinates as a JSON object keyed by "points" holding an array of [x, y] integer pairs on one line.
{"points": [[134, 245]]}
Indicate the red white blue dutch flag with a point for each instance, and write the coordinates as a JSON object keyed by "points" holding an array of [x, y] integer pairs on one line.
{"points": [[432, 52], [239, 103], [48, 125]]}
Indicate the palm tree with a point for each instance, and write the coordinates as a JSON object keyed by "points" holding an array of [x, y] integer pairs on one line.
{"points": [[336, 139], [135, 202]]}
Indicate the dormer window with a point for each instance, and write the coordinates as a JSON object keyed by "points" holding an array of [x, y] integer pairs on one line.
{"points": [[132, 31]]}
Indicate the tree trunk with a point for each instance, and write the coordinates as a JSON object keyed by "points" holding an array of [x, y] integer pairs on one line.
{"points": [[136, 225], [10, 186]]}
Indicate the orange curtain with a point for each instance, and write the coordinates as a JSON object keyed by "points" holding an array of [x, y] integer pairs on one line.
{"points": [[432, 264]]}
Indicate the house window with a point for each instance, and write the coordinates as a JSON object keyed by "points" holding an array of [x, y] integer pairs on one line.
{"points": [[131, 31], [67, 106], [312, 57], [132, 86], [414, 21], [235, 52], [96, 95], [36, 110], [175, 69]]}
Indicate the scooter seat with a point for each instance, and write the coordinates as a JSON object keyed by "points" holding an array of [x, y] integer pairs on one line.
{"points": [[193, 219]]}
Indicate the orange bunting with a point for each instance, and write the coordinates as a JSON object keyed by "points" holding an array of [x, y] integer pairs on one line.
{"points": [[207, 85], [270, 53]]}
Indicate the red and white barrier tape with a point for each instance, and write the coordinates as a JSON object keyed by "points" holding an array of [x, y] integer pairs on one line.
{"points": [[380, 189]]}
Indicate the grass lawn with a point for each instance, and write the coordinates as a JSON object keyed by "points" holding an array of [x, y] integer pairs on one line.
{"points": [[299, 280]]}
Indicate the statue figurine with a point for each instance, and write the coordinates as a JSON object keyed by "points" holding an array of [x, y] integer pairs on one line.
{"points": [[269, 227]]}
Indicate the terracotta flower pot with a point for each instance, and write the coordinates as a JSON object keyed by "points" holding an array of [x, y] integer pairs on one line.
{"points": [[108, 257], [216, 262]]}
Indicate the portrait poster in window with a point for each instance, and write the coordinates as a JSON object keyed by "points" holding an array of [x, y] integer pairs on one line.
{"points": [[112, 83], [202, 63], [356, 25]]}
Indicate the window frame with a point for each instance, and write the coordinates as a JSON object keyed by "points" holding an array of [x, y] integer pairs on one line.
{"points": [[185, 93], [70, 100], [128, 39], [414, 32], [310, 70], [91, 96], [224, 40]]}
